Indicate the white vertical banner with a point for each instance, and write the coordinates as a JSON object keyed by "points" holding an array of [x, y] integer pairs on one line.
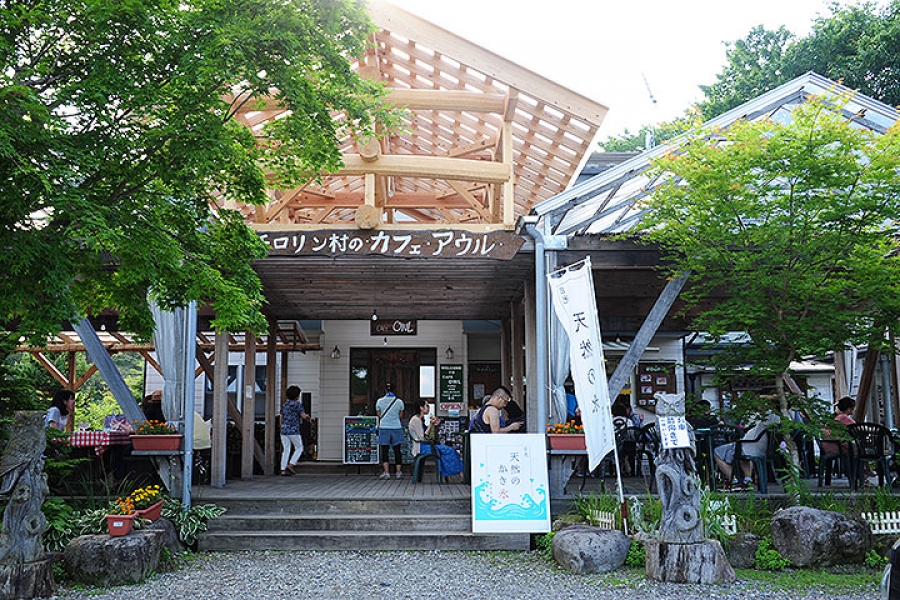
{"points": [[573, 301]]}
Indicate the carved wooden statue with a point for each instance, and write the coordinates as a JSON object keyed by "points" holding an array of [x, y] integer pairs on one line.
{"points": [[24, 572], [676, 480]]}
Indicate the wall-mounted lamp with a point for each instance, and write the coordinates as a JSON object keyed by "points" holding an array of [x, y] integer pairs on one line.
{"points": [[374, 315], [385, 341], [336, 353], [449, 353]]}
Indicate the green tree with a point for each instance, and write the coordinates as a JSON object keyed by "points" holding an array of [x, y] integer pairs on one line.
{"points": [[661, 132], [858, 45], [118, 151], [789, 231]]}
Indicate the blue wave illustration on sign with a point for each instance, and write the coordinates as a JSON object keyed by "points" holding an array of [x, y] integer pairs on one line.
{"points": [[530, 510]]}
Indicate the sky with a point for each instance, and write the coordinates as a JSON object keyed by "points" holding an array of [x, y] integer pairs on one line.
{"points": [[619, 52]]}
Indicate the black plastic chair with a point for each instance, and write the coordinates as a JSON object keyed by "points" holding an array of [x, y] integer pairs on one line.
{"points": [[420, 460], [761, 464], [834, 457], [649, 447], [871, 443], [628, 443]]}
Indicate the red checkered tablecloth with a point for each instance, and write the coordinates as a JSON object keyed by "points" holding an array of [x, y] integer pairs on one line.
{"points": [[99, 440]]}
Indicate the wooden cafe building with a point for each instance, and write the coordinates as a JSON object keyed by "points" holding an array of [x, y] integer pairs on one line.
{"points": [[415, 264]]}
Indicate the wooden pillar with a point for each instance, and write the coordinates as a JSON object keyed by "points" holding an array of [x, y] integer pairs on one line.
{"points": [[506, 346], [248, 406], [531, 357], [517, 356], [841, 385], [271, 394], [220, 411], [865, 384]]}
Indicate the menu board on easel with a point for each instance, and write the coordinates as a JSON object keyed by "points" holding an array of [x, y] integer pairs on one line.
{"points": [[653, 378], [360, 440]]}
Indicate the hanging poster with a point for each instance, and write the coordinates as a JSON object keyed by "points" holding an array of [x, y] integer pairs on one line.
{"points": [[509, 483]]}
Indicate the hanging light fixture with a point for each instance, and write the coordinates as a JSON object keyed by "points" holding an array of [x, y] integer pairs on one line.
{"points": [[374, 314], [449, 353], [336, 353]]}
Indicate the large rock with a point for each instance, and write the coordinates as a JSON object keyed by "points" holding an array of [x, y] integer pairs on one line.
{"points": [[103, 560], [742, 550], [811, 537], [168, 535], [584, 549], [688, 563]]}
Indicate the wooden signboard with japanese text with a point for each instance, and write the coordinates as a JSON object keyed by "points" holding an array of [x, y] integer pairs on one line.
{"points": [[498, 245]]}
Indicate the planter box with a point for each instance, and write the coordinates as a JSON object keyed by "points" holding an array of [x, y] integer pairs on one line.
{"points": [[152, 512], [566, 441], [156, 442], [119, 525]]}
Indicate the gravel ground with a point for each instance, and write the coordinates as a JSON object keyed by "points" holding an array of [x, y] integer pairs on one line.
{"points": [[419, 576]]}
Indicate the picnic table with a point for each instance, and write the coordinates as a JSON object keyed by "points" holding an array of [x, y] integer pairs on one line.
{"points": [[99, 440]]}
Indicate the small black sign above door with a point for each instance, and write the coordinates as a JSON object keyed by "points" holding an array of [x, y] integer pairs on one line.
{"points": [[394, 327]]}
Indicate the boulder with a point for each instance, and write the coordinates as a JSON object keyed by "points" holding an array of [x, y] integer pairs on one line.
{"points": [[584, 549], [103, 560], [168, 535], [742, 550], [811, 537], [704, 562]]}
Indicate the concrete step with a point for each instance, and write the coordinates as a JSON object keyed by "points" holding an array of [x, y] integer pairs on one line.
{"points": [[341, 506], [346, 522], [359, 540]]}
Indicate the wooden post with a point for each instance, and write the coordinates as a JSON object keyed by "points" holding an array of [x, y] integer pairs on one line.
{"points": [[220, 411], [248, 406], [518, 353], [865, 384], [271, 409], [531, 357], [506, 346]]}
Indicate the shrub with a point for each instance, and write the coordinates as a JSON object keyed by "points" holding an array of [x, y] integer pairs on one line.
{"points": [[768, 558], [586, 507], [637, 555], [544, 543]]}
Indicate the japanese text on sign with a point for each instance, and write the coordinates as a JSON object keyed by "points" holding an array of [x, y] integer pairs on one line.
{"points": [[673, 432], [408, 244]]}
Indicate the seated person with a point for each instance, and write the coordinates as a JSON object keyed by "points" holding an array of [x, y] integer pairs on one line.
{"points": [[701, 416], [117, 423], [724, 454], [449, 461], [844, 416], [490, 419], [152, 406]]}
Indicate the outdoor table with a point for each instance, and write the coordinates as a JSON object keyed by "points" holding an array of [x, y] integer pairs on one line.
{"points": [[99, 440]]}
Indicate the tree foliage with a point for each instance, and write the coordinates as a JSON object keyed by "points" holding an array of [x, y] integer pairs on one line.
{"points": [[858, 45], [789, 228], [118, 152]]}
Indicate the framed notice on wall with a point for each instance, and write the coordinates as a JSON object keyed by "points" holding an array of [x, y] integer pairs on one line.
{"points": [[451, 388], [653, 378], [360, 440]]}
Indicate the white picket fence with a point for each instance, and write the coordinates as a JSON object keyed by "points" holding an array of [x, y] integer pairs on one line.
{"points": [[883, 522]]}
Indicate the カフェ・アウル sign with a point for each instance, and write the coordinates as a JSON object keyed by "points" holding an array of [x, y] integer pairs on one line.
{"points": [[498, 245]]}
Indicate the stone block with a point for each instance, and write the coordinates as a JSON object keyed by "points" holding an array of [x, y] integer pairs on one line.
{"points": [[103, 560], [742, 550]]}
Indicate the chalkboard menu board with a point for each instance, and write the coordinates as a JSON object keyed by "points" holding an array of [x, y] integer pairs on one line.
{"points": [[451, 387], [653, 378], [360, 440]]}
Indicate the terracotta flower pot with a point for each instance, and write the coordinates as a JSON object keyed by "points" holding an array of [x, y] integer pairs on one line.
{"points": [[567, 441], [152, 512], [156, 442], [119, 525]]}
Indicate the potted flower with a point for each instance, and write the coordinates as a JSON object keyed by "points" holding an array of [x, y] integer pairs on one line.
{"points": [[147, 502], [120, 518], [155, 436], [566, 436]]}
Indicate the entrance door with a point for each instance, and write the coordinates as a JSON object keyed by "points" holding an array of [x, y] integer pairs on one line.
{"points": [[400, 368]]}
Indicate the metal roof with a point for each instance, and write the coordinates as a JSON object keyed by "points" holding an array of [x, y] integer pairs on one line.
{"points": [[607, 203]]}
